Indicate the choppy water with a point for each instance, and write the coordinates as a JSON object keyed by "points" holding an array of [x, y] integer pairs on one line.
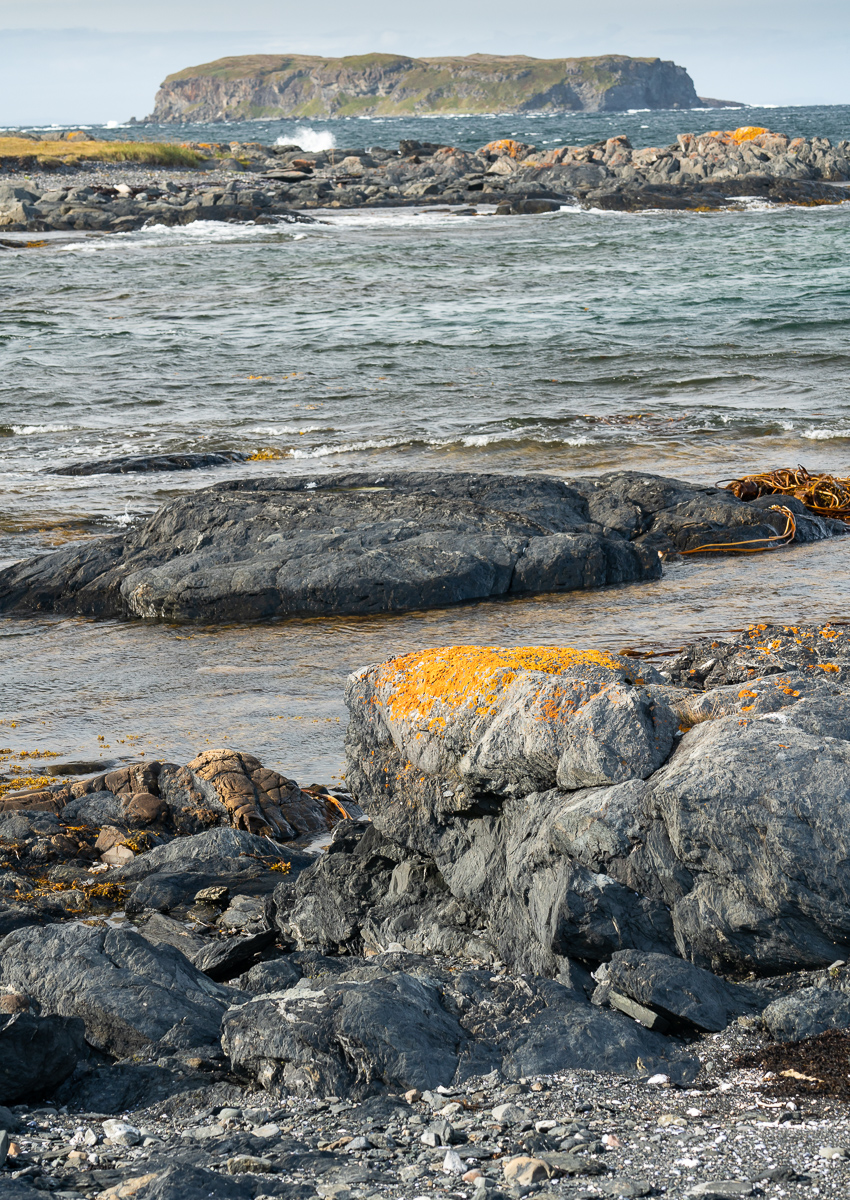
{"points": [[644, 128], [699, 345]]}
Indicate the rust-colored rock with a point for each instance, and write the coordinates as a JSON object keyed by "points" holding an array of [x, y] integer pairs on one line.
{"points": [[261, 800], [142, 808]]}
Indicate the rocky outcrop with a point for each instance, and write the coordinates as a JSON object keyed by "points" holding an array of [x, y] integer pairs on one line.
{"points": [[698, 171], [37, 1054], [299, 85], [368, 542], [573, 809], [129, 464]]}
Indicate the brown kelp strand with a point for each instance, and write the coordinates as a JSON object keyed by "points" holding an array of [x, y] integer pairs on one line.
{"points": [[826, 495]]}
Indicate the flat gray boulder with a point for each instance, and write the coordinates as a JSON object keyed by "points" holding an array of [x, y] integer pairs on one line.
{"points": [[676, 989], [248, 549], [403, 1021], [129, 994]]}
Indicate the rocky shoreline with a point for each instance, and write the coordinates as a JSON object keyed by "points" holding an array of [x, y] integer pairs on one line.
{"points": [[273, 184], [571, 931]]}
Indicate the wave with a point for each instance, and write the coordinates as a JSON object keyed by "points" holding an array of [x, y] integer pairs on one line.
{"points": [[311, 140], [23, 430], [824, 435]]}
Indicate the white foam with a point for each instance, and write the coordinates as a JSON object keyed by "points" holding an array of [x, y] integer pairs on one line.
{"points": [[27, 429], [824, 435], [347, 448], [312, 140]]}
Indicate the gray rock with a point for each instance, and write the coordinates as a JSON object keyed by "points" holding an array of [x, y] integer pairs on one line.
{"points": [[226, 957], [677, 989], [210, 846], [274, 976], [95, 808], [134, 463], [37, 1053], [129, 993], [406, 1023], [807, 1013]]}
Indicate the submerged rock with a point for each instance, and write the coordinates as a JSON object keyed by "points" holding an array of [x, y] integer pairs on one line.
{"points": [[132, 463]]}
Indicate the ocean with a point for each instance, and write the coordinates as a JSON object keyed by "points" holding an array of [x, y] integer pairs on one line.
{"points": [[698, 345]]}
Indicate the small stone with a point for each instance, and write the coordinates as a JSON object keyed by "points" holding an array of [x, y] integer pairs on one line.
{"points": [[247, 1164], [14, 1002], [832, 1152], [266, 1131], [628, 1187], [453, 1163], [212, 895], [413, 1096], [524, 1170], [126, 1188], [359, 1143], [473, 1175], [668, 1119], [658, 1081], [721, 1189], [121, 1132], [75, 1159], [611, 1140], [510, 1114], [229, 1114], [201, 1133]]}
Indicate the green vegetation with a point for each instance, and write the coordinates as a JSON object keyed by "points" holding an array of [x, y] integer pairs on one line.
{"points": [[52, 154]]}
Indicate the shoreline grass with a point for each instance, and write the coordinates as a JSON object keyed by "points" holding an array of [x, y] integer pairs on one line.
{"points": [[156, 154]]}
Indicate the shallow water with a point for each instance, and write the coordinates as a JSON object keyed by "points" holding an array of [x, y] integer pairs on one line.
{"points": [[698, 345]]}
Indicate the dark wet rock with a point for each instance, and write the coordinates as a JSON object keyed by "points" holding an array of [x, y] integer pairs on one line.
{"points": [[677, 989], [365, 542], [132, 463], [185, 1182], [130, 994], [18, 916], [227, 957], [37, 1053], [807, 1013], [212, 845], [120, 1087], [402, 1022]]}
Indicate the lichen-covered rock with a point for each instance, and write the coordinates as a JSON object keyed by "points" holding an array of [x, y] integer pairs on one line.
{"points": [[710, 824]]}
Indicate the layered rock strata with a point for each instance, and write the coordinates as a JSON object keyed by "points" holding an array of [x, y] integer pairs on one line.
{"points": [[367, 542], [268, 184]]}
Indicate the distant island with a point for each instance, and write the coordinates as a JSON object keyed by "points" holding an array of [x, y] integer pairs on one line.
{"points": [[299, 85]]}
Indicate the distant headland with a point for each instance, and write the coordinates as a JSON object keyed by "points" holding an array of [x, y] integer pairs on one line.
{"points": [[298, 85]]}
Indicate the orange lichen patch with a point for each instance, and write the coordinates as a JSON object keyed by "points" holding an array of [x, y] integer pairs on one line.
{"points": [[473, 676], [746, 692], [745, 133], [830, 668], [503, 147]]}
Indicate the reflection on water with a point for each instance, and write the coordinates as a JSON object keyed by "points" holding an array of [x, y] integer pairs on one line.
{"points": [[276, 690]]}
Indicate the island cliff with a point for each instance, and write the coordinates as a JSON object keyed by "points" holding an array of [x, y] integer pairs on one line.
{"points": [[298, 85]]}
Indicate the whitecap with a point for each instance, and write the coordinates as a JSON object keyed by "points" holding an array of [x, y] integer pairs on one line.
{"points": [[26, 429], [311, 140], [824, 435], [347, 448]]}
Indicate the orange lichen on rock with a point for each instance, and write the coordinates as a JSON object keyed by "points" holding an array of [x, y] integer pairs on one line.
{"points": [[466, 676], [745, 133], [503, 147]]}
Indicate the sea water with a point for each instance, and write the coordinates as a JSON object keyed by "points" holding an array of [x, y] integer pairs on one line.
{"points": [[698, 345]]}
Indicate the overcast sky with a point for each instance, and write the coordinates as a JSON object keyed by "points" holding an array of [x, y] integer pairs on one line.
{"points": [[70, 61]]}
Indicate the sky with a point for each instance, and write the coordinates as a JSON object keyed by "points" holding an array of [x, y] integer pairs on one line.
{"points": [[92, 61]]}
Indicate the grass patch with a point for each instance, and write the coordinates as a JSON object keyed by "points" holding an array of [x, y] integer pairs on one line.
{"points": [[155, 154]]}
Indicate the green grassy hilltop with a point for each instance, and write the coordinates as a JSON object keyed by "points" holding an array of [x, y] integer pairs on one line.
{"points": [[299, 85]]}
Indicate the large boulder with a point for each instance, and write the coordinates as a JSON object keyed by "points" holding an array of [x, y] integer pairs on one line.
{"points": [[572, 807], [129, 994], [375, 542], [400, 1021], [37, 1053]]}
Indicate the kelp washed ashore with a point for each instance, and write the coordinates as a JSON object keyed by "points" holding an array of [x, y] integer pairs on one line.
{"points": [[266, 183]]}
